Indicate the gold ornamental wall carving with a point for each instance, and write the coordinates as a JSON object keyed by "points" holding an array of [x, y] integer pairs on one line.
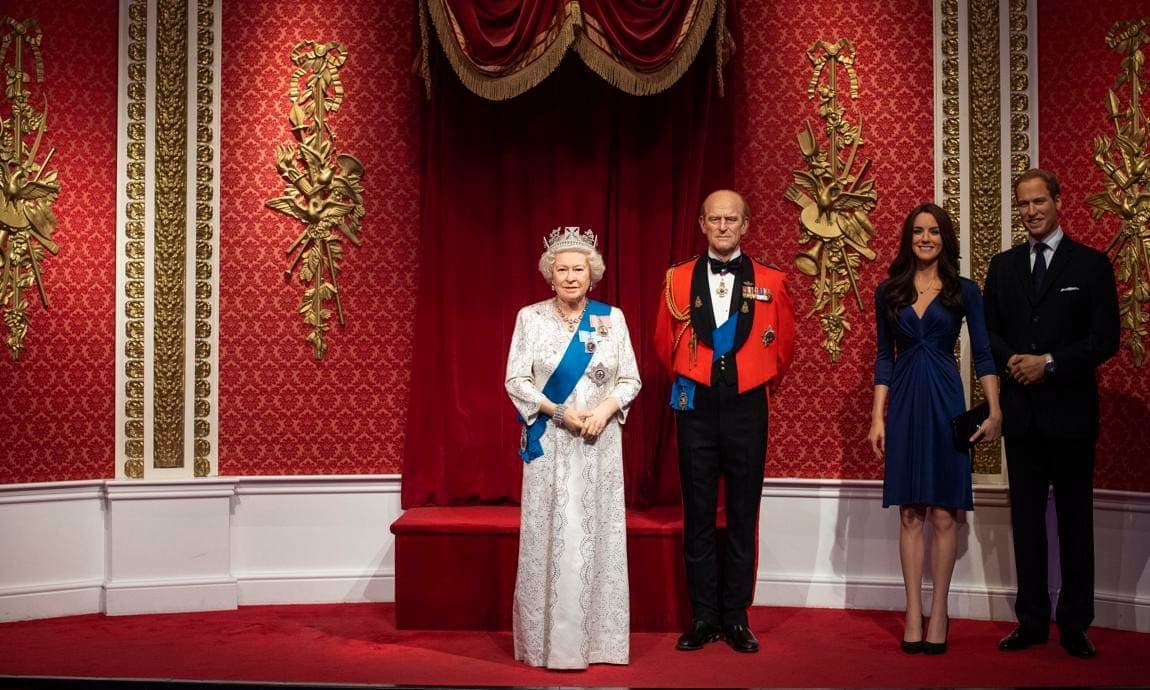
{"points": [[323, 190], [27, 188], [835, 194], [205, 193], [134, 236], [1124, 160], [171, 231], [984, 227], [1020, 160]]}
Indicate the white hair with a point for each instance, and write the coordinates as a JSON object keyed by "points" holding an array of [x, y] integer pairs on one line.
{"points": [[594, 262]]}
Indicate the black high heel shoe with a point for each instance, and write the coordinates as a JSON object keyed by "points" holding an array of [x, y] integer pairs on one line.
{"points": [[935, 648], [915, 647]]}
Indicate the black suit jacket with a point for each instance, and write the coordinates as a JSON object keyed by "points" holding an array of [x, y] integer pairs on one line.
{"points": [[1074, 317]]}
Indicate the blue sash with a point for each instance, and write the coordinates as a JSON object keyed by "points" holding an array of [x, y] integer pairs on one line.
{"points": [[562, 381], [683, 388]]}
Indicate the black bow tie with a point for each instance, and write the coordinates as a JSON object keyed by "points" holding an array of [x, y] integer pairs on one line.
{"points": [[731, 266]]}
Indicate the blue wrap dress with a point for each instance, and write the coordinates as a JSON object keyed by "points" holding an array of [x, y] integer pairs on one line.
{"points": [[915, 358]]}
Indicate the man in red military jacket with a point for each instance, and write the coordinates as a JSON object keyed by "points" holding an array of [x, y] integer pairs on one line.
{"points": [[726, 331]]}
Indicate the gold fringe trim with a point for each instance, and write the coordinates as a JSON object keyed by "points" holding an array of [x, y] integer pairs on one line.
{"points": [[422, 64], [638, 83], [517, 80], [724, 45]]}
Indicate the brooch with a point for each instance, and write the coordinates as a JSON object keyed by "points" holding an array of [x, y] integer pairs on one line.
{"points": [[598, 374], [768, 336]]}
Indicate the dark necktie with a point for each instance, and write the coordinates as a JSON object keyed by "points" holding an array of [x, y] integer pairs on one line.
{"points": [[731, 266], [1039, 271]]}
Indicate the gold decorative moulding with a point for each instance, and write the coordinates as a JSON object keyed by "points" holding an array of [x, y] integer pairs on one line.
{"points": [[27, 188], [834, 193], [1124, 160], [323, 190]]}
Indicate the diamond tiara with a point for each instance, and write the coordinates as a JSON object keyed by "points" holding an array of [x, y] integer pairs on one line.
{"points": [[570, 237]]}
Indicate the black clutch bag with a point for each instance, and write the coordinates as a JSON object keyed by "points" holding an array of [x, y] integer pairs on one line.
{"points": [[966, 424]]}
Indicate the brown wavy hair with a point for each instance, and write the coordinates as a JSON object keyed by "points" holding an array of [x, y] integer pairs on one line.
{"points": [[900, 290]]}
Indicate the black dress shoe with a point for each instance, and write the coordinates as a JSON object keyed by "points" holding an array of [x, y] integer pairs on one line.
{"points": [[699, 634], [1077, 644], [916, 646], [740, 638], [935, 647], [1019, 639]]}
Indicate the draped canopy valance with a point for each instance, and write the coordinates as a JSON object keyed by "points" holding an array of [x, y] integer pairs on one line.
{"points": [[501, 48]]}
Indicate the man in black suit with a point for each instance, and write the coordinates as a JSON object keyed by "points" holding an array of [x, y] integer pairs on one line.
{"points": [[1052, 313]]}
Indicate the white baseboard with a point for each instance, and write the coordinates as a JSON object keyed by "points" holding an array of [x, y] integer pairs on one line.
{"points": [[170, 595], [316, 587], [124, 547], [51, 600]]}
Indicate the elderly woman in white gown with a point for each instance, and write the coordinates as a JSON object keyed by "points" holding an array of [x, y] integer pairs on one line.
{"points": [[571, 374]]}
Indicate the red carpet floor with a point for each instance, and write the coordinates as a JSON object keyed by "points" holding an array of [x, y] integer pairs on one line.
{"points": [[359, 643]]}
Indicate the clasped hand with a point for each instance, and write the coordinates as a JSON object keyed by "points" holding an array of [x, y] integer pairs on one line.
{"points": [[1027, 369], [587, 423]]}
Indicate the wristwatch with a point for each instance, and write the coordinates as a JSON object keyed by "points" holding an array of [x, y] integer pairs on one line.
{"points": [[1050, 366]]}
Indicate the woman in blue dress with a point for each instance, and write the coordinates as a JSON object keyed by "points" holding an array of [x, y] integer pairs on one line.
{"points": [[919, 311]]}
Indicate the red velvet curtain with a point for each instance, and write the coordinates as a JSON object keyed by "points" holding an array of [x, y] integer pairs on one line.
{"points": [[497, 177], [502, 48]]}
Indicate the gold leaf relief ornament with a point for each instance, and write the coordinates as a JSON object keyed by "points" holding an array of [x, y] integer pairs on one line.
{"points": [[834, 194], [1124, 161], [27, 188], [323, 190]]}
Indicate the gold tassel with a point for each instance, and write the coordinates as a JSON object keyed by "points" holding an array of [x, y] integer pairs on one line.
{"points": [[513, 80], [639, 83]]}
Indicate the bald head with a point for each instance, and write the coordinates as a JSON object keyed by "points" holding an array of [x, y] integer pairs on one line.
{"points": [[723, 219], [728, 198]]}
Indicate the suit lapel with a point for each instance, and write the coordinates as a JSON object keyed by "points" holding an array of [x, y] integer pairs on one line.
{"points": [[1063, 257], [702, 313], [746, 278], [1021, 263]]}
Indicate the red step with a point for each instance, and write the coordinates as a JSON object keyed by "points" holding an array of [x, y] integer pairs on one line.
{"points": [[455, 568]]}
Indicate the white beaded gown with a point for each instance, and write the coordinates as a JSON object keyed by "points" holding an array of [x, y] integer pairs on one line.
{"points": [[571, 596]]}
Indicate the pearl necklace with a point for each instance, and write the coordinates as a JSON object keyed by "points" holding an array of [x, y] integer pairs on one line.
{"points": [[572, 322]]}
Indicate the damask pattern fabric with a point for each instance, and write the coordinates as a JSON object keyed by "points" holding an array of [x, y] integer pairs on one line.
{"points": [[571, 592]]}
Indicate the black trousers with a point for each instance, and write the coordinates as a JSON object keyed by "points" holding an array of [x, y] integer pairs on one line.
{"points": [[1034, 463], [725, 435]]}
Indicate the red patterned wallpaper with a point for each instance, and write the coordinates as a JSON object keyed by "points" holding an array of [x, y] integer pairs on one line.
{"points": [[1075, 68], [283, 413], [58, 401], [821, 417], [280, 412]]}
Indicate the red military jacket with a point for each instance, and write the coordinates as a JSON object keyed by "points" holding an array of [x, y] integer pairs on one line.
{"points": [[764, 333]]}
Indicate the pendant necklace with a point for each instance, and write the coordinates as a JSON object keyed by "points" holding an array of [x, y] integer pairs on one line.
{"points": [[572, 322]]}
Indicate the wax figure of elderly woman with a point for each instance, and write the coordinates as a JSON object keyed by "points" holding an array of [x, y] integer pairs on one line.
{"points": [[571, 374]]}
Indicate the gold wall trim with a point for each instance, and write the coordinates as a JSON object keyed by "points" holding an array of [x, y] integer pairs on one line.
{"points": [[985, 121], [171, 214], [134, 233], [951, 115], [1020, 148], [205, 195]]}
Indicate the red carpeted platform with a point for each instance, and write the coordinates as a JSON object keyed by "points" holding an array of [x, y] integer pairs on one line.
{"points": [[359, 643], [455, 568]]}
